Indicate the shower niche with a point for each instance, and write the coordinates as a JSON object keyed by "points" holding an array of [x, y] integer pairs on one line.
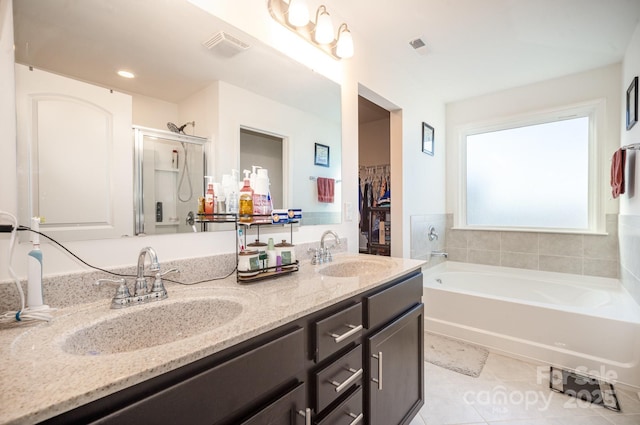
{"points": [[169, 178]]}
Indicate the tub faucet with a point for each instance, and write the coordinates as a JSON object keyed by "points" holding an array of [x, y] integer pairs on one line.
{"points": [[323, 254], [439, 253], [141, 281]]}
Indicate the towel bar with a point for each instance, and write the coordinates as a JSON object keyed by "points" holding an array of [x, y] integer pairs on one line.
{"points": [[315, 178], [631, 147]]}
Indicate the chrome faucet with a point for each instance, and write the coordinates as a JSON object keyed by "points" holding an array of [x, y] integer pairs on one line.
{"points": [[323, 254], [141, 281], [142, 294]]}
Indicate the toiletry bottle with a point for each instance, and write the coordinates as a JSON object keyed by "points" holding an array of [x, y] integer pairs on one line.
{"points": [[262, 189], [35, 298], [246, 200], [232, 197], [271, 254], [257, 203], [209, 199]]}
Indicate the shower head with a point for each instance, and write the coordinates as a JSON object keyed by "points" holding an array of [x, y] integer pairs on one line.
{"points": [[171, 126]]}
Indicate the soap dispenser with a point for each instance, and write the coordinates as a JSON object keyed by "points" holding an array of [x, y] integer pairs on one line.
{"points": [[246, 200]]}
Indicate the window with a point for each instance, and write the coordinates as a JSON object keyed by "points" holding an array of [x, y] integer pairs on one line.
{"points": [[536, 173]]}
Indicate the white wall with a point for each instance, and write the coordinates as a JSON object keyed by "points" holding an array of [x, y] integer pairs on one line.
{"points": [[631, 69], [591, 85], [629, 220]]}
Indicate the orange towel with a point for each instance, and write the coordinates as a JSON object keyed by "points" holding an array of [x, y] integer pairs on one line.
{"points": [[617, 173], [326, 189]]}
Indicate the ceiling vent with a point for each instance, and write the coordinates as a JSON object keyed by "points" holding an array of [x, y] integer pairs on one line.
{"points": [[419, 46], [225, 44]]}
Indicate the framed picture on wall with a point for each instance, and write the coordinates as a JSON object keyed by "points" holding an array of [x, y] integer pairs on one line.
{"points": [[632, 103], [321, 156], [427, 139]]}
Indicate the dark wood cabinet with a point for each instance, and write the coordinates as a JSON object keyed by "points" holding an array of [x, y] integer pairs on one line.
{"points": [[323, 368], [396, 388], [290, 409]]}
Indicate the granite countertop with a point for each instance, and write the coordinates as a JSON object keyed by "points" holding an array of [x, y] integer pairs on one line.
{"points": [[41, 377]]}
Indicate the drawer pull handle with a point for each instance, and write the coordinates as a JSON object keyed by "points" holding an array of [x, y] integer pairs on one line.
{"points": [[379, 380], [356, 418], [339, 338], [355, 375], [306, 414]]}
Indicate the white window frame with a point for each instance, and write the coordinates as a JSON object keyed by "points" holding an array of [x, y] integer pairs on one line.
{"points": [[595, 110]]}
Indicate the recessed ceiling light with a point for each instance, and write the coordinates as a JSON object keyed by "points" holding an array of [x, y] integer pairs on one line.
{"points": [[126, 74]]}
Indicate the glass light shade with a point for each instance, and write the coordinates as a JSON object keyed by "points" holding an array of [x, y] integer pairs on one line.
{"points": [[324, 28], [344, 49], [298, 13]]}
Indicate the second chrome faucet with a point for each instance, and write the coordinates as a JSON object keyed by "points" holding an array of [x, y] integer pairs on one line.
{"points": [[323, 254]]}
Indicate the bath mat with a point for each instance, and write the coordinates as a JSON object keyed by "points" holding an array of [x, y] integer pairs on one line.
{"points": [[454, 355]]}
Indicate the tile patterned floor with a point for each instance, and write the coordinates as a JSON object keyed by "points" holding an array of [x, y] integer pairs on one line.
{"points": [[512, 392]]}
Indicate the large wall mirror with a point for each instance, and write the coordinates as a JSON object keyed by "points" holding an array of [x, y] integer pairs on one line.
{"points": [[76, 163]]}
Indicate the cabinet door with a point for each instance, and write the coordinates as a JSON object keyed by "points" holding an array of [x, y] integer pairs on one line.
{"points": [[290, 409], [396, 370], [222, 392]]}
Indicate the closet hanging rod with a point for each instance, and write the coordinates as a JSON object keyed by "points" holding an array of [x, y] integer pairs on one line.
{"points": [[631, 147], [315, 178]]}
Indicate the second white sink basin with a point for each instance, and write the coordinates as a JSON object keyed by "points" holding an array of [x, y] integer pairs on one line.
{"points": [[151, 325], [353, 268]]}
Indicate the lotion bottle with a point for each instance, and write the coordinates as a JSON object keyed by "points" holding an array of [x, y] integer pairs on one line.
{"points": [[246, 200]]}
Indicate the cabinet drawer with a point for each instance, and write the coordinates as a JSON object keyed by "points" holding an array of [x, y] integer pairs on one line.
{"points": [[337, 378], [391, 302], [286, 410], [337, 331], [223, 390], [349, 412]]}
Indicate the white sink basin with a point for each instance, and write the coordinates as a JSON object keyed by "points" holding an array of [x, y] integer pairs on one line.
{"points": [[353, 268], [151, 325]]}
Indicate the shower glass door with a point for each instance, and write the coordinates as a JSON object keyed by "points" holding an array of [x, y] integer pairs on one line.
{"points": [[169, 178]]}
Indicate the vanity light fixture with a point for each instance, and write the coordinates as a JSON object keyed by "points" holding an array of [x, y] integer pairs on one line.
{"points": [[294, 15], [324, 26], [126, 74], [298, 13], [344, 47]]}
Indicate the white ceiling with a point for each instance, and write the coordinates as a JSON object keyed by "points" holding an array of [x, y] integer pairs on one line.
{"points": [[473, 46], [482, 46]]}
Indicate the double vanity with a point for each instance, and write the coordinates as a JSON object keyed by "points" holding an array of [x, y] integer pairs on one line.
{"points": [[336, 343]]}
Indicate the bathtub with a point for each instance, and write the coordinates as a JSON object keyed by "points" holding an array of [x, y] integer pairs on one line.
{"points": [[581, 323]]}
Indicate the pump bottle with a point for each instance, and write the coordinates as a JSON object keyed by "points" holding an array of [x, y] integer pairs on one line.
{"points": [[246, 200]]}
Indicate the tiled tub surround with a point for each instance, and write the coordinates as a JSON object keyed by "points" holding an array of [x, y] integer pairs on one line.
{"points": [[629, 230], [421, 246], [593, 255], [40, 380]]}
